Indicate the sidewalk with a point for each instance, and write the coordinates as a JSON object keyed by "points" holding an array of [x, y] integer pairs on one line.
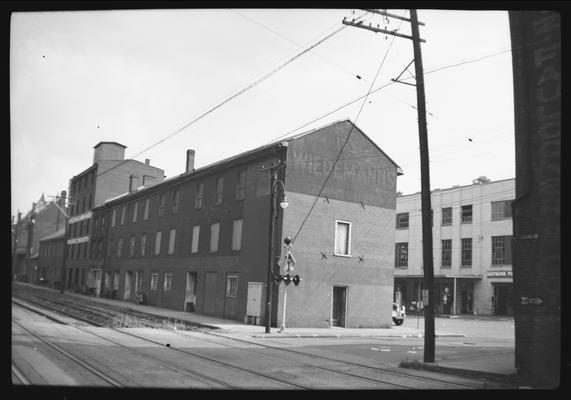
{"points": [[497, 365]]}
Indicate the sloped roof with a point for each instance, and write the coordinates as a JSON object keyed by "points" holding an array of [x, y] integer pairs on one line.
{"points": [[56, 235]]}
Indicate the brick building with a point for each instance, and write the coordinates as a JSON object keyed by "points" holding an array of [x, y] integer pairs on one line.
{"points": [[44, 218], [50, 257], [200, 241], [472, 233], [109, 175], [536, 44]]}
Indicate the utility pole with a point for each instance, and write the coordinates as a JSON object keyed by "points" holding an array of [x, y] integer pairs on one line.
{"points": [[65, 245], [273, 168], [429, 335]]}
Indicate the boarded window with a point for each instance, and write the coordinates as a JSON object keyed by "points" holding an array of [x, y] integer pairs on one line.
{"points": [[195, 236], [172, 238], [237, 235], [214, 233], [158, 237]]}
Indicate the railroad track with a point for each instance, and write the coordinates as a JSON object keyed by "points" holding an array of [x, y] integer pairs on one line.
{"points": [[412, 381], [194, 374]]}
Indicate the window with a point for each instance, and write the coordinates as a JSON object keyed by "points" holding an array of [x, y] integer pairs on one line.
{"points": [[466, 252], [109, 246], [143, 244], [85, 245], [214, 231], [402, 221], [87, 227], [447, 216], [116, 280], [232, 286], [113, 217], [467, 214], [175, 200], [102, 226], [342, 238], [237, 235], [158, 238], [167, 282], [446, 253], [90, 201], [154, 281], [501, 250], [95, 223], [501, 210], [83, 204], [146, 211], [241, 186], [195, 235], [135, 211], [401, 255], [161, 204], [199, 196], [132, 246], [172, 238], [119, 247], [219, 189]]}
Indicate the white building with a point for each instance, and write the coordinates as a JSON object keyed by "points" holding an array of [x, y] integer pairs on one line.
{"points": [[472, 231]]}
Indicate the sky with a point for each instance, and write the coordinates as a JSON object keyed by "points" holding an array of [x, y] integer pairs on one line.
{"points": [[148, 79]]}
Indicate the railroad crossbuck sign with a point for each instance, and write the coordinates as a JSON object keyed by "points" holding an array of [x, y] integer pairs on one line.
{"points": [[287, 261]]}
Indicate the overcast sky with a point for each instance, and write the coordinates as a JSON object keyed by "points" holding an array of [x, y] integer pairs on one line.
{"points": [[136, 77]]}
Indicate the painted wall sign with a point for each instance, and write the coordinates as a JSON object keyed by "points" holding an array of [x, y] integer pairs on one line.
{"points": [[500, 274], [531, 300], [81, 217], [78, 240]]}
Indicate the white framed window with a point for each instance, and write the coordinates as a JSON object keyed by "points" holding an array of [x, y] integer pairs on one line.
{"points": [[158, 237], [195, 236], [167, 283], [146, 210], [113, 217], [401, 255], [135, 211], [214, 233], [123, 212], [232, 286], [237, 235], [172, 238], [154, 281], [342, 238], [402, 221]]}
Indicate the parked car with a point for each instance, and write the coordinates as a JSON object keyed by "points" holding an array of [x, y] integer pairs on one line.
{"points": [[399, 314]]}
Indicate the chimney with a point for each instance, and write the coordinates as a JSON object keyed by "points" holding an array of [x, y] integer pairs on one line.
{"points": [[133, 180], [189, 161], [148, 161], [61, 199]]}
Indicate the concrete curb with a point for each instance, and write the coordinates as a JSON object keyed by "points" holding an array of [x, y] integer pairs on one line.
{"points": [[318, 335], [508, 378]]}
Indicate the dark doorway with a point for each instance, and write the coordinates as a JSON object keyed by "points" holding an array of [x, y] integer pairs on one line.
{"points": [[501, 300], [210, 293], [339, 306]]}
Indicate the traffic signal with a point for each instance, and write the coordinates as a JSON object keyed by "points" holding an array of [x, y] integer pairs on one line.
{"points": [[296, 280], [277, 279], [286, 279]]}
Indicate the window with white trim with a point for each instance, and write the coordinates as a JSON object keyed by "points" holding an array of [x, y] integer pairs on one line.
{"points": [[342, 238], [154, 281], [146, 210], [123, 212], [135, 211], [402, 221], [158, 237], [113, 217], [172, 238]]}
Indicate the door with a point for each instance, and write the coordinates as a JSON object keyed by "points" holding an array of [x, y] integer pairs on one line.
{"points": [[190, 294], [209, 298], [339, 306], [127, 289], [501, 295]]}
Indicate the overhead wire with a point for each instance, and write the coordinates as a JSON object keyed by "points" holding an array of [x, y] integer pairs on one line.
{"points": [[345, 143]]}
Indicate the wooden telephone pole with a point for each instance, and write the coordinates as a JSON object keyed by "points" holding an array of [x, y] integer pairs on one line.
{"points": [[429, 336]]}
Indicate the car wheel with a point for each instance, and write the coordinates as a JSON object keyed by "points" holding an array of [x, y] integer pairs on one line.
{"points": [[398, 322]]}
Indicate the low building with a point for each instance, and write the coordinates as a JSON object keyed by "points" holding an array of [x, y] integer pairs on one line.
{"points": [[472, 238], [50, 257], [200, 241]]}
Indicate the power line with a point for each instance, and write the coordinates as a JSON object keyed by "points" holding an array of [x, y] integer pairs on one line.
{"points": [[345, 143]]}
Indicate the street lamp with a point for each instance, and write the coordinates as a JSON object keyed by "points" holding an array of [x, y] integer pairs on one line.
{"points": [[274, 183]]}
